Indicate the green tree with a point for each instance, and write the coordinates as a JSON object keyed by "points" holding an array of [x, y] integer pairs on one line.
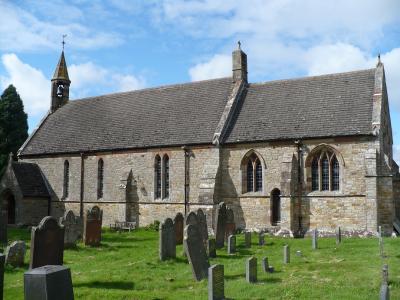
{"points": [[13, 124]]}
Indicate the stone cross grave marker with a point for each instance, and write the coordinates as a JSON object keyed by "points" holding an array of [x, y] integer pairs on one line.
{"points": [[178, 224], [315, 239], [230, 227], [48, 282], [264, 264], [231, 244], [196, 252], [251, 269], [167, 240], [220, 224], [3, 226], [211, 251], [2, 263], [216, 290], [384, 293], [286, 254], [201, 218], [92, 227], [261, 239], [73, 228], [247, 239], [338, 235], [47, 243], [15, 254]]}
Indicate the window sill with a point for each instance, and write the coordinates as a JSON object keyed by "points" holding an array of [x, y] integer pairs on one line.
{"points": [[253, 194], [325, 193]]}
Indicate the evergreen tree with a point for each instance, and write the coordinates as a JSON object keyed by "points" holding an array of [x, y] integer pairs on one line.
{"points": [[13, 124]]}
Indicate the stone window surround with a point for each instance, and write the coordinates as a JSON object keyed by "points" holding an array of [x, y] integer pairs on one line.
{"points": [[66, 180], [165, 193], [254, 156], [100, 179]]}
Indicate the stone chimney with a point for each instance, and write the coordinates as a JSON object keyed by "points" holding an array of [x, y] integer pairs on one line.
{"points": [[239, 65]]}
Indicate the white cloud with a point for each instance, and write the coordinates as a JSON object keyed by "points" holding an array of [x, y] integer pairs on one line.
{"points": [[217, 66]]}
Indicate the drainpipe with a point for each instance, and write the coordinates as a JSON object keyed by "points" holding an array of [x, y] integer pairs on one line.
{"points": [[299, 185], [82, 184], [186, 184]]}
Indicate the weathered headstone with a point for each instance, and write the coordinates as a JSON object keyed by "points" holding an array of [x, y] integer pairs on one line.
{"points": [[196, 252], [192, 219], [15, 254], [384, 293], [2, 262], [251, 269], [201, 218], [338, 235], [92, 226], [211, 251], [315, 239], [220, 223], [3, 226], [264, 264], [230, 226], [73, 228], [167, 240], [247, 239], [178, 225], [286, 254], [261, 239], [48, 282], [47, 243], [231, 244], [216, 290]]}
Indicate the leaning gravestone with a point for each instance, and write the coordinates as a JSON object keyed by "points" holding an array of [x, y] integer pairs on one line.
{"points": [[216, 290], [261, 239], [167, 240], [231, 244], [211, 248], [15, 254], [47, 243], [247, 239], [315, 239], [196, 252], [220, 222], [73, 227], [251, 269], [48, 282], [230, 227], [178, 225], [201, 217], [2, 262], [286, 254], [92, 227], [338, 235], [3, 226]]}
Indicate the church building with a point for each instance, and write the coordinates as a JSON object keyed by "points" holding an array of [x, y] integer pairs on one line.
{"points": [[296, 154]]}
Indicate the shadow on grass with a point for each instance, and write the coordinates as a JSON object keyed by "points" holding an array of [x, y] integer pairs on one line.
{"points": [[270, 280], [113, 285], [10, 269]]}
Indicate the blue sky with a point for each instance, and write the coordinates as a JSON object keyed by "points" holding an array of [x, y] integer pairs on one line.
{"points": [[124, 45]]}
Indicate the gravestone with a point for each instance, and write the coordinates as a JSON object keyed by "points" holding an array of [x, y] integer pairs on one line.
{"points": [[231, 244], [261, 239], [2, 263], [15, 254], [220, 223], [264, 264], [286, 254], [178, 226], [196, 252], [216, 290], [73, 228], [384, 293], [48, 282], [47, 243], [92, 227], [211, 248], [167, 240], [338, 235], [192, 219], [315, 239], [251, 269], [3, 226], [230, 227], [201, 218], [247, 239]]}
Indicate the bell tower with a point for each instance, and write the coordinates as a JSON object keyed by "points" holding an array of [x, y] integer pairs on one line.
{"points": [[60, 84]]}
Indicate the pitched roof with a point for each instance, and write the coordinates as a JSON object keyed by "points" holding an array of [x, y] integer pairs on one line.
{"points": [[61, 71], [30, 179], [187, 114], [320, 106]]}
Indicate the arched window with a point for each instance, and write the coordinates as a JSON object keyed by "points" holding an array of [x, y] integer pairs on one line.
{"points": [[315, 175], [253, 174], [100, 178], [335, 174], [325, 173], [157, 176], [166, 176], [258, 176], [250, 177], [66, 180]]}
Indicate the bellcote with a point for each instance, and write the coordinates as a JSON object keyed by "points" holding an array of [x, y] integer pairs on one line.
{"points": [[60, 85], [239, 65]]}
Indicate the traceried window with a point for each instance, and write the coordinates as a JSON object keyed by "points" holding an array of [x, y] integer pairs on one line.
{"points": [[100, 178], [166, 176], [258, 176], [253, 174], [157, 176], [250, 177], [325, 171], [335, 174], [315, 174], [325, 174], [66, 180]]}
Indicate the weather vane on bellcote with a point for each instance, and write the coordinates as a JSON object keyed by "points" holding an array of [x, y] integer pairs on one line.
{"points": [[63, 40]]}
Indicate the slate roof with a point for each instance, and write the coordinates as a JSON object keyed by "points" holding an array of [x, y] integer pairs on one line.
{"points": [[187, 114], [30, 180]]}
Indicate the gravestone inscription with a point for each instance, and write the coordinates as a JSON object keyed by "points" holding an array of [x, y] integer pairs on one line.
{"points": [[167, 240], [230, 227], [231, 244], [286, 254], [178, 224], [15, 254], [196, 252], [216, 289], [73, 228], [220, 222], [47, 243], [92, 226], [251, 269]]}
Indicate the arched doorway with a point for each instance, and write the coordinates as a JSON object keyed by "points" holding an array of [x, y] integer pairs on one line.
{"points": [[275, 207], [10, 207]]}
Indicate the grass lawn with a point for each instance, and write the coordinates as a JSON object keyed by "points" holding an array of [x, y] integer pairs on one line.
{"points": [[126, 266]]}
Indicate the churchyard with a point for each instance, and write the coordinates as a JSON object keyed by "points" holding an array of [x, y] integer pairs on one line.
{"points": [[127, 266]]}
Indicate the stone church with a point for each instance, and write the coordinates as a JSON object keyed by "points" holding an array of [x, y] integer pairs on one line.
{"points": [[296, 154]]}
